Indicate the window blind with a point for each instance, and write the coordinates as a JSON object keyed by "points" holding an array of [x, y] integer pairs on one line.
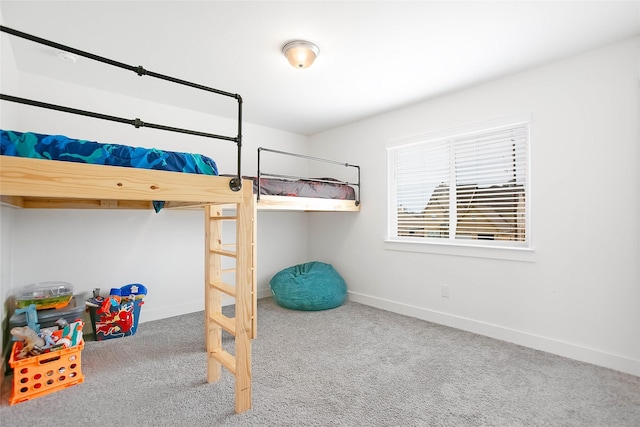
{"points": [[487, 170]]}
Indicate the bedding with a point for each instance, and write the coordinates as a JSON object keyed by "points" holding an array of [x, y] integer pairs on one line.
{"points": [[320, 188], [62, 148], [305, 188], [59, 147]]}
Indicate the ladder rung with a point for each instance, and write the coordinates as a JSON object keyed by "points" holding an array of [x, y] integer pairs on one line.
{"points": [[227, 323], [228, 270], [230, 254], [225, 206], [227, 359], [224, 287], [224, 218]]}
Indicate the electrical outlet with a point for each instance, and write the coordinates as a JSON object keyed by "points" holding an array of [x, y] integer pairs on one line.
{"points": [[445, 291]]}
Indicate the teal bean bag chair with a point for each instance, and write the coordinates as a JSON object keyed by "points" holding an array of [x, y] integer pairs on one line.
{"points": [[309, 287]]}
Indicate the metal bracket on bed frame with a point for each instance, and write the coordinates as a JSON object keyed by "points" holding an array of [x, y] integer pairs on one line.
{"points": [[235, 184], [317, 159]]}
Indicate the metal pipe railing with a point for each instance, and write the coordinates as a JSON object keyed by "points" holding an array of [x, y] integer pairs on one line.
{"points": [[236, 182]]}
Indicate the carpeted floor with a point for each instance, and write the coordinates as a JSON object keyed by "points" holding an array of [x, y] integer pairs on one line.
{"points": [[350, 366]]}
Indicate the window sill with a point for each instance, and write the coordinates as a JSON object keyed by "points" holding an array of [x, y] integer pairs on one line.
{"points": [[453, 249]]}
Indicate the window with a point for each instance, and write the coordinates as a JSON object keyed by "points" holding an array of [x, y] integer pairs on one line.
{"points": [[468, 186]]}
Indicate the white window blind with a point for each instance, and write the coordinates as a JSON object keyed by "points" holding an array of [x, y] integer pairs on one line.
{"points": [[488, 170]]}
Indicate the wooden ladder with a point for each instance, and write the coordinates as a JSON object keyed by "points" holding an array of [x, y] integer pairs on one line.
{"points": [[243, 325]]}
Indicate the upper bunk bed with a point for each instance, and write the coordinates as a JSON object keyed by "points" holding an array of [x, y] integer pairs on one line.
{"points": [[30, 178], [287, 192], [45, 184]]}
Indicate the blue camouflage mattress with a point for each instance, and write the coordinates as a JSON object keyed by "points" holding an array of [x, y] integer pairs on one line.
{"points": [[58, 147]]}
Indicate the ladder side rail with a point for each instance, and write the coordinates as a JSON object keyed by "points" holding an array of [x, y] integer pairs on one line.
{"points": [[213, 298], [244, 298]]}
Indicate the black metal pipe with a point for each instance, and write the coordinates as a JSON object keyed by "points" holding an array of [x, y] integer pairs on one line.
{"points": [[134, 122], [236, 183], [259, 173], [303, 156], [358, 184]]}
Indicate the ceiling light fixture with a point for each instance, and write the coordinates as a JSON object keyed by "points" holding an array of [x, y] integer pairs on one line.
{"points": [[300, 53]]}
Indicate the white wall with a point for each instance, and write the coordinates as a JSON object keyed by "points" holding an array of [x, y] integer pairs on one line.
{"points": [[578, 294]]}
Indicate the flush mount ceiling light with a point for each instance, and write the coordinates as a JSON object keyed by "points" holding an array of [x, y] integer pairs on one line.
{"points": [[300, 53]]}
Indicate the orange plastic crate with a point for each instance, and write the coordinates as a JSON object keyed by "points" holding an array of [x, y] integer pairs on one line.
{"points": [[44, 374]]}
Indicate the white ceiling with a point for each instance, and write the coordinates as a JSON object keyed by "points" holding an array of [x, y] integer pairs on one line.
{"points": [[375, 56]]}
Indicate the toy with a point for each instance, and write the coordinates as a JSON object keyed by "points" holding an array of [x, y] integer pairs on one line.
{"points": [[112, 304], [47, 336], [47, 340], [31, 313], [135, 290], [32, 342], [116, 315], [71, 335], [45, 295], [61, 323]]}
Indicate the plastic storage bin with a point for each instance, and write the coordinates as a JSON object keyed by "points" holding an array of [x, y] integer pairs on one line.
{"points": [[47, 318], [116, 323], [41, 375], [45, 295]]}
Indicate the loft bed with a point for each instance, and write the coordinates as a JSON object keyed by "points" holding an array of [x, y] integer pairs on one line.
{"points": [[273, 192], [40, 183], [276, 191]]}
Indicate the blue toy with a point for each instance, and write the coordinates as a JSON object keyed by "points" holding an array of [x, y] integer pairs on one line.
{"points": [[32, 317], [136, 289]]}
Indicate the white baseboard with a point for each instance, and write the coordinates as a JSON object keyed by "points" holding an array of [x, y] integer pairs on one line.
{"points": [[264, 293], [549, 345], [157, 313], [148, 314]]}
